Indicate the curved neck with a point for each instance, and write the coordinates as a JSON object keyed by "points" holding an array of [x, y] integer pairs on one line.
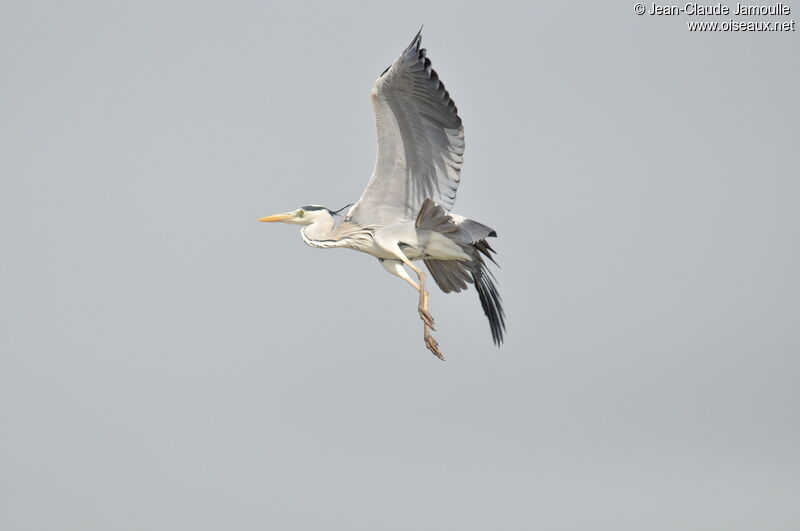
{"points": [[320, 233]]}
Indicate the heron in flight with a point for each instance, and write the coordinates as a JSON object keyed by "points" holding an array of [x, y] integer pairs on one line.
{"points": [[404, 214]]}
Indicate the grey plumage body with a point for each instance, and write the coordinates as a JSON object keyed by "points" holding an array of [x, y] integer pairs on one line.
{"points": [[382, 242], [404, 215]]}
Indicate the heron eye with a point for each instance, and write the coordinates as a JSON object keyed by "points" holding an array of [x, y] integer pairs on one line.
{"points": [[301, 213]]}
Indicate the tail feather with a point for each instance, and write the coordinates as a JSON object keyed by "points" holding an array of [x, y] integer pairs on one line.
{"points": [[458, 228]]}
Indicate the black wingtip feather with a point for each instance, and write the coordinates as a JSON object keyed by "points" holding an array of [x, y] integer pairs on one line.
{"points": [[492, 306], [454, 276], [491, 302], [416, 41]]}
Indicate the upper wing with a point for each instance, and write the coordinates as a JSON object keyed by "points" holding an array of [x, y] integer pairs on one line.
{"points": [[420, 142]]}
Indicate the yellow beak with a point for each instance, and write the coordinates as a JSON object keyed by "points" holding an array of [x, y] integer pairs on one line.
{"points": [[277, 217]]}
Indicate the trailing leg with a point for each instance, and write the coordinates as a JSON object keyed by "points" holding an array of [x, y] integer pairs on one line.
{"points": [[396, 268], [426, 317]]}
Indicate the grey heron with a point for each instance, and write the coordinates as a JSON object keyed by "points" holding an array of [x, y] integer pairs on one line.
{"points": [[404, 214]]}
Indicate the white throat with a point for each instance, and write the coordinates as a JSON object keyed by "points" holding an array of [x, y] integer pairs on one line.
{"points": [[319, 234]]}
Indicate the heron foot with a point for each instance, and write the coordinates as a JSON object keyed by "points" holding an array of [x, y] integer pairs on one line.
{"points": [[427, 318], [433, 346]]}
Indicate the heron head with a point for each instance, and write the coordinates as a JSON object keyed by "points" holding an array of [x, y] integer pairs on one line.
{"points": [[302, 216]]}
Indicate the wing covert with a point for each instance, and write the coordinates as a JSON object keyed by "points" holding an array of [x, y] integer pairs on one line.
{"points": [[420, 142]]}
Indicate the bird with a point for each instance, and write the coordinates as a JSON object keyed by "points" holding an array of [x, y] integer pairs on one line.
{"points": [[404, 215]]}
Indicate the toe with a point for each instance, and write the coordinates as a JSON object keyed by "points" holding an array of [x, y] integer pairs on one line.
{"points": [[433, 346]]}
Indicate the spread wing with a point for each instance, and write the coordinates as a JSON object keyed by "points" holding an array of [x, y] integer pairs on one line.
{"points": [[420, 142]]}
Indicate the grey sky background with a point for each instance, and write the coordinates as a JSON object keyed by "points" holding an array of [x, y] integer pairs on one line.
{"points": [[168, 363]]}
